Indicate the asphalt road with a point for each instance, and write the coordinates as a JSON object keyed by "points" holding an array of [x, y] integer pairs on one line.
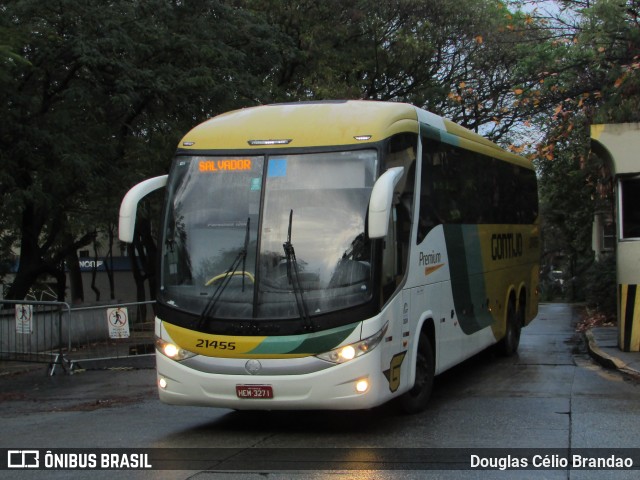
{"points": [[549, 396]]}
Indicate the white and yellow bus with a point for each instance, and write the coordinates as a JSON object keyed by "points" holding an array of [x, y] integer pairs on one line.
{"points": [[336, 255]]}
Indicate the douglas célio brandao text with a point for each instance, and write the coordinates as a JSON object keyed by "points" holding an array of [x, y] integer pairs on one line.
{"points": [[553, 461]]}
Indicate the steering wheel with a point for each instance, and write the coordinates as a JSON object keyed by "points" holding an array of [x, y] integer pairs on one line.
{"points": [[226, 274]]}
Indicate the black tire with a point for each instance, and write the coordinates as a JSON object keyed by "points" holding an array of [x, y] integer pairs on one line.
{"points": [[416, 399], [511, 340]]}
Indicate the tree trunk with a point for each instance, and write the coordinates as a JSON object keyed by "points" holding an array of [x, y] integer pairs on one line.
{"points": [[94, 272], [31, 265], [108, 264], [76, 287], [37, 260]]}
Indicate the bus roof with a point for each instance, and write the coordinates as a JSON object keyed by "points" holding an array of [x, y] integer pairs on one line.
{"points": [[327, 123]]}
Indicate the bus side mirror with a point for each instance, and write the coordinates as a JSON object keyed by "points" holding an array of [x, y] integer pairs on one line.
{"points": [[129, 205], [381, 200]]}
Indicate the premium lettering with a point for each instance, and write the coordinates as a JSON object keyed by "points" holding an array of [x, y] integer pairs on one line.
{"points": [[429, 258]]}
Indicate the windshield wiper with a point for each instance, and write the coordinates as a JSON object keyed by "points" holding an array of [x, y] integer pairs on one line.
{"points": [[241, 257], [293, 276]]}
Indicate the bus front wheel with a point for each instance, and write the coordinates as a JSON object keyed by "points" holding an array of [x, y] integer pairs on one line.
{"points": [[416, 399]]}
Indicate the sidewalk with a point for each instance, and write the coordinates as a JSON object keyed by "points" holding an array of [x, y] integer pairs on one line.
{"points": [[602, 343], [9, 367], [12, 367]]}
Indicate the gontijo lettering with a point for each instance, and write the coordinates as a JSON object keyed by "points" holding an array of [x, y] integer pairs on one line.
{"points": [[506, 245], [227, 164]]}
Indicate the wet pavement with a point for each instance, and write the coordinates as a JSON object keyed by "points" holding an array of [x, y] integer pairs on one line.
{"points": [[602, 344], [549, 396]]}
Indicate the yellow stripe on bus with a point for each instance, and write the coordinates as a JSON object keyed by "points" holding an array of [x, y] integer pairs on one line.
{"points": [[222, 346]]}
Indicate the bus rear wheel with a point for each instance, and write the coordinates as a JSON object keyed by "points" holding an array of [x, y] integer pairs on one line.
{"points": [[511, 340], [416, 399]]}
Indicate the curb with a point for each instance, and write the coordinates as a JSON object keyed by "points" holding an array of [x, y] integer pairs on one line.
{"points": [[19, 368], [604, 359]]}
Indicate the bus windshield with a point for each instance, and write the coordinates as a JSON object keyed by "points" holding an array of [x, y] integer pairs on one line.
{"points": [[228, 218]]}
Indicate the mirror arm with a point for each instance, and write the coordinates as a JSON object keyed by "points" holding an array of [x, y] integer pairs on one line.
{"points": [[129, 205], [381, 200]]}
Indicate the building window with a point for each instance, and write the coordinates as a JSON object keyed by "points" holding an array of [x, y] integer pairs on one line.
{"points": [[629, 198]]}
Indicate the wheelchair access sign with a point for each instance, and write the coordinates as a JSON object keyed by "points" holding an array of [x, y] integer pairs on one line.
{"points": [[118, 319]]}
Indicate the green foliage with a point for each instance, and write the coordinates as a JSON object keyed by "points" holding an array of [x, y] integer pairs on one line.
{"points": [[600, 286], [566, 194], [457, 58], [594, 80], [94, 97]]}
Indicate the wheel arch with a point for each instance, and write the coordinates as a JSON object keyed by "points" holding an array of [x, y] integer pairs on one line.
{"points": [[510, 297], [426, 324]]}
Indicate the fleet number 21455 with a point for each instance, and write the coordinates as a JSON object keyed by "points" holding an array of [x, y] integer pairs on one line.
{"points": [[204, 343]]}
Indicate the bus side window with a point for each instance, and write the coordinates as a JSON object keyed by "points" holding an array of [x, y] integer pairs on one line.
{"points": [[433, 188], [465, 187], [401, 152], [404, 213]]}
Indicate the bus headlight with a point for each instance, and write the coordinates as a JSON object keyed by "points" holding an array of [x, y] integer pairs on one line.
{"points": [[172, 351], [349, 352]]}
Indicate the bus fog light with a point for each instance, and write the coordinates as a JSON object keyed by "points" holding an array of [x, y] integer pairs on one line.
{"points": [[162, 383], [362, 386]]}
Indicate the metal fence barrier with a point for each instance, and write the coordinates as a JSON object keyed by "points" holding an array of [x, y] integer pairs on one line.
{"points": [[74, 337], [32, 332]]}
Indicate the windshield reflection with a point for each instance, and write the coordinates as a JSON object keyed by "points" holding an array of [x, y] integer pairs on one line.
{"points": [[206, 231]]}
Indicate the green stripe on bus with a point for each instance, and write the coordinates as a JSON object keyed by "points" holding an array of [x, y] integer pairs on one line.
{"points": [[439, 135], [467, 278], [311, 343], [325, 341]]}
